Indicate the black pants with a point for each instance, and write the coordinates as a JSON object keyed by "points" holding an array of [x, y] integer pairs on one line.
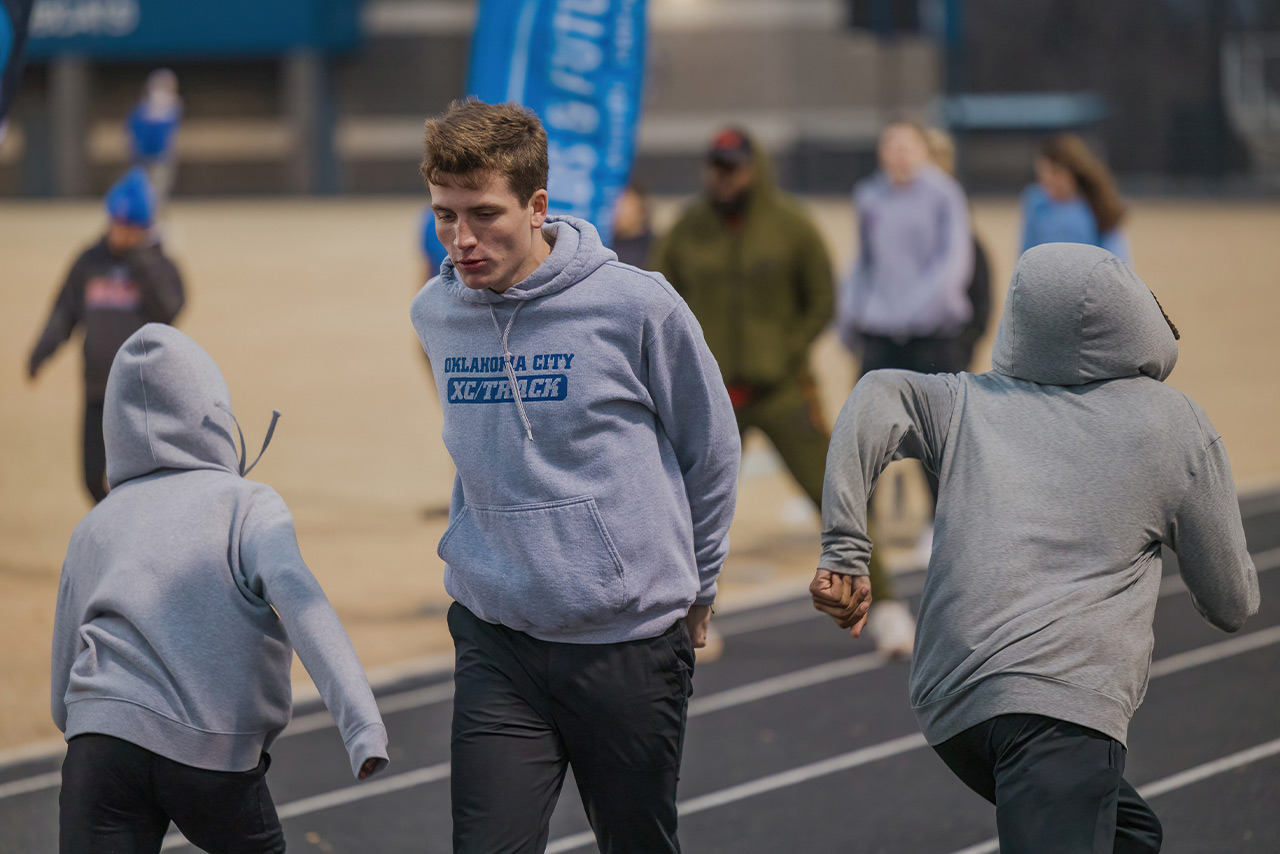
{"points": [[1058, 787], [118, 798], [524, 710], [922, 355], [95, 451]]}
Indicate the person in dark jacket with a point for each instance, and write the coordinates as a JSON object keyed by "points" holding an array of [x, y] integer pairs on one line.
{"points": [[116, 286], [756, 273]]}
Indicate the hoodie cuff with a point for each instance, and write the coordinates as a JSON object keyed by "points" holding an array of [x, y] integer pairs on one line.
{"points": [[368, 743], [707, 594]]}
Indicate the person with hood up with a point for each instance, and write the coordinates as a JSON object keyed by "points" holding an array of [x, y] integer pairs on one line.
{"points": [[597, 464], [182, 599], [756, 274], [117, 285], [1065, 472]]}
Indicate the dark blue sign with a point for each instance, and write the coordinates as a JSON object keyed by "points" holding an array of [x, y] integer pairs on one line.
{"points": [[174, 28], [14, 17], [579, 64]]}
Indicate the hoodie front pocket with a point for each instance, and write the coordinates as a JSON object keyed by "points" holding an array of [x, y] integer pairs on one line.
{"points": [[535, 567]]}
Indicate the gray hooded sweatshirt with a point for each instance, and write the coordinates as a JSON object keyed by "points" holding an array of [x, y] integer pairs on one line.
{"points": [[596, 448], [1065, 472], [183, 594]]}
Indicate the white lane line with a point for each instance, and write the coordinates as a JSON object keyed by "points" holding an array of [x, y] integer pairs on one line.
{"points": [[786, 683], [1169, 784], [1214, 652], [781, 780], [30, 784], [421, 697], [743, 790], [359, 792]]}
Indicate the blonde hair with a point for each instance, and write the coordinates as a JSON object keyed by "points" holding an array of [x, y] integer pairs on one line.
{"points": [[473, 140], [942, 149]]}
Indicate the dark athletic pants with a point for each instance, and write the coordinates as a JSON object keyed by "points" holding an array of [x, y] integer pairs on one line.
{"points": [[1058, 787], [524, 710], [118, 798], [95, 451]]}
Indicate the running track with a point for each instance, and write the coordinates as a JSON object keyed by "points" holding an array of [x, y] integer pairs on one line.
{"points": [[801, 740]]}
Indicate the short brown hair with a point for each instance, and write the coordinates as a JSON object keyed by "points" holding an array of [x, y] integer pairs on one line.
{"points": [[473, 139]]}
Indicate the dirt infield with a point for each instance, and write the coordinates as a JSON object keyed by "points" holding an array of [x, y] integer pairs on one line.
{"points": [[304, 304]]}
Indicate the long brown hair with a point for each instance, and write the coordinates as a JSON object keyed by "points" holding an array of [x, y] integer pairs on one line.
{"points": [[1095, 180]]}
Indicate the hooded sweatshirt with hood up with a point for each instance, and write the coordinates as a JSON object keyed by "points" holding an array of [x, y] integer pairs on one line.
{"points": [[183, 594], [758, 280], [596, 448], [1065, 472]]}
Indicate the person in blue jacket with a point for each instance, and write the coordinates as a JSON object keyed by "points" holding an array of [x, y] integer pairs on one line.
{"points": [[153, 131], [1074, 200]]}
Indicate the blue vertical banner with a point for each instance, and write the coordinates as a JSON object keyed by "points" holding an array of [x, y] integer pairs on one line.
{"points": [[15, 16], [578, 64]]}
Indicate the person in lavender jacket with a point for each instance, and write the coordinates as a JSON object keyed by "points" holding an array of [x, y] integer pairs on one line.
{"points": [[906, 303]]}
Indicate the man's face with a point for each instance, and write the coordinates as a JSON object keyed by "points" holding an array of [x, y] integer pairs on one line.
{"points": [[726, 182], [493, 240], [123, 236], [902, 153]]}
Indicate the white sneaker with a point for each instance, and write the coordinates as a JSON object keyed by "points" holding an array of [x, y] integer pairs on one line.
{"points": [[892, 628]]}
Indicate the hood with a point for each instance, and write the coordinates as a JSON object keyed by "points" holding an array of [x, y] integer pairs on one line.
{"points": [[1077, 314], [576, 252], [168, 407]]}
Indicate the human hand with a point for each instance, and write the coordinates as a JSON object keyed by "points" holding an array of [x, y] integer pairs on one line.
{"points": [[697, 623], [370, 765], [845, 598]]}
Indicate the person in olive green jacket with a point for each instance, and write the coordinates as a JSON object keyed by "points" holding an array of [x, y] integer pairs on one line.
{"points": [[754, 270]]}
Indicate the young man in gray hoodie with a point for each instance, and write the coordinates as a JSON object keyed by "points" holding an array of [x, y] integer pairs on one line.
{"points": [[183, 597], [1065, 472], [597, 458]]}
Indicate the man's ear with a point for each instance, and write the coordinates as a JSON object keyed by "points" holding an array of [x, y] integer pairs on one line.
{"points": [[540, 203]]}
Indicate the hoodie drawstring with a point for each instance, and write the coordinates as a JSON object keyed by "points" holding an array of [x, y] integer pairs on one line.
{"points": [[275, 416], [508, 363]]}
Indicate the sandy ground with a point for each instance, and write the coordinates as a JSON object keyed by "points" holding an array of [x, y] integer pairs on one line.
{"points": [[304, 304]]}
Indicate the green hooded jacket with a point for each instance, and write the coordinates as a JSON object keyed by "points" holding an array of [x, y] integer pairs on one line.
{"points": [[762, 289]]}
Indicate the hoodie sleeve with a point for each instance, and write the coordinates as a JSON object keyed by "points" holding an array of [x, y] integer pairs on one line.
{"points": [[694, 411], [159, 281], [1208, 537], [889, 415], [273, 568], [67, 647], [63, 318]]}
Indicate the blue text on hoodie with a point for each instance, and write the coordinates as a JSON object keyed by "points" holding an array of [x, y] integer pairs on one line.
{"points": [[596, 448]]}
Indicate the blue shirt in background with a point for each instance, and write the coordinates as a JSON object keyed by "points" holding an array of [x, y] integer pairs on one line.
{"points": [[1047, 221]]}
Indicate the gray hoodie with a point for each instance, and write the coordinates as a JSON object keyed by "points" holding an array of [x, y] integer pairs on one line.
{"points": [[183, 594], [596, 448], [1065, 472]]}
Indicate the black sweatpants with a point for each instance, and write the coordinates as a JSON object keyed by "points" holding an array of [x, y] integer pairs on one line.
{"points": [[524, 710], [1058, 787], [95, 451], [118, 798]]}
